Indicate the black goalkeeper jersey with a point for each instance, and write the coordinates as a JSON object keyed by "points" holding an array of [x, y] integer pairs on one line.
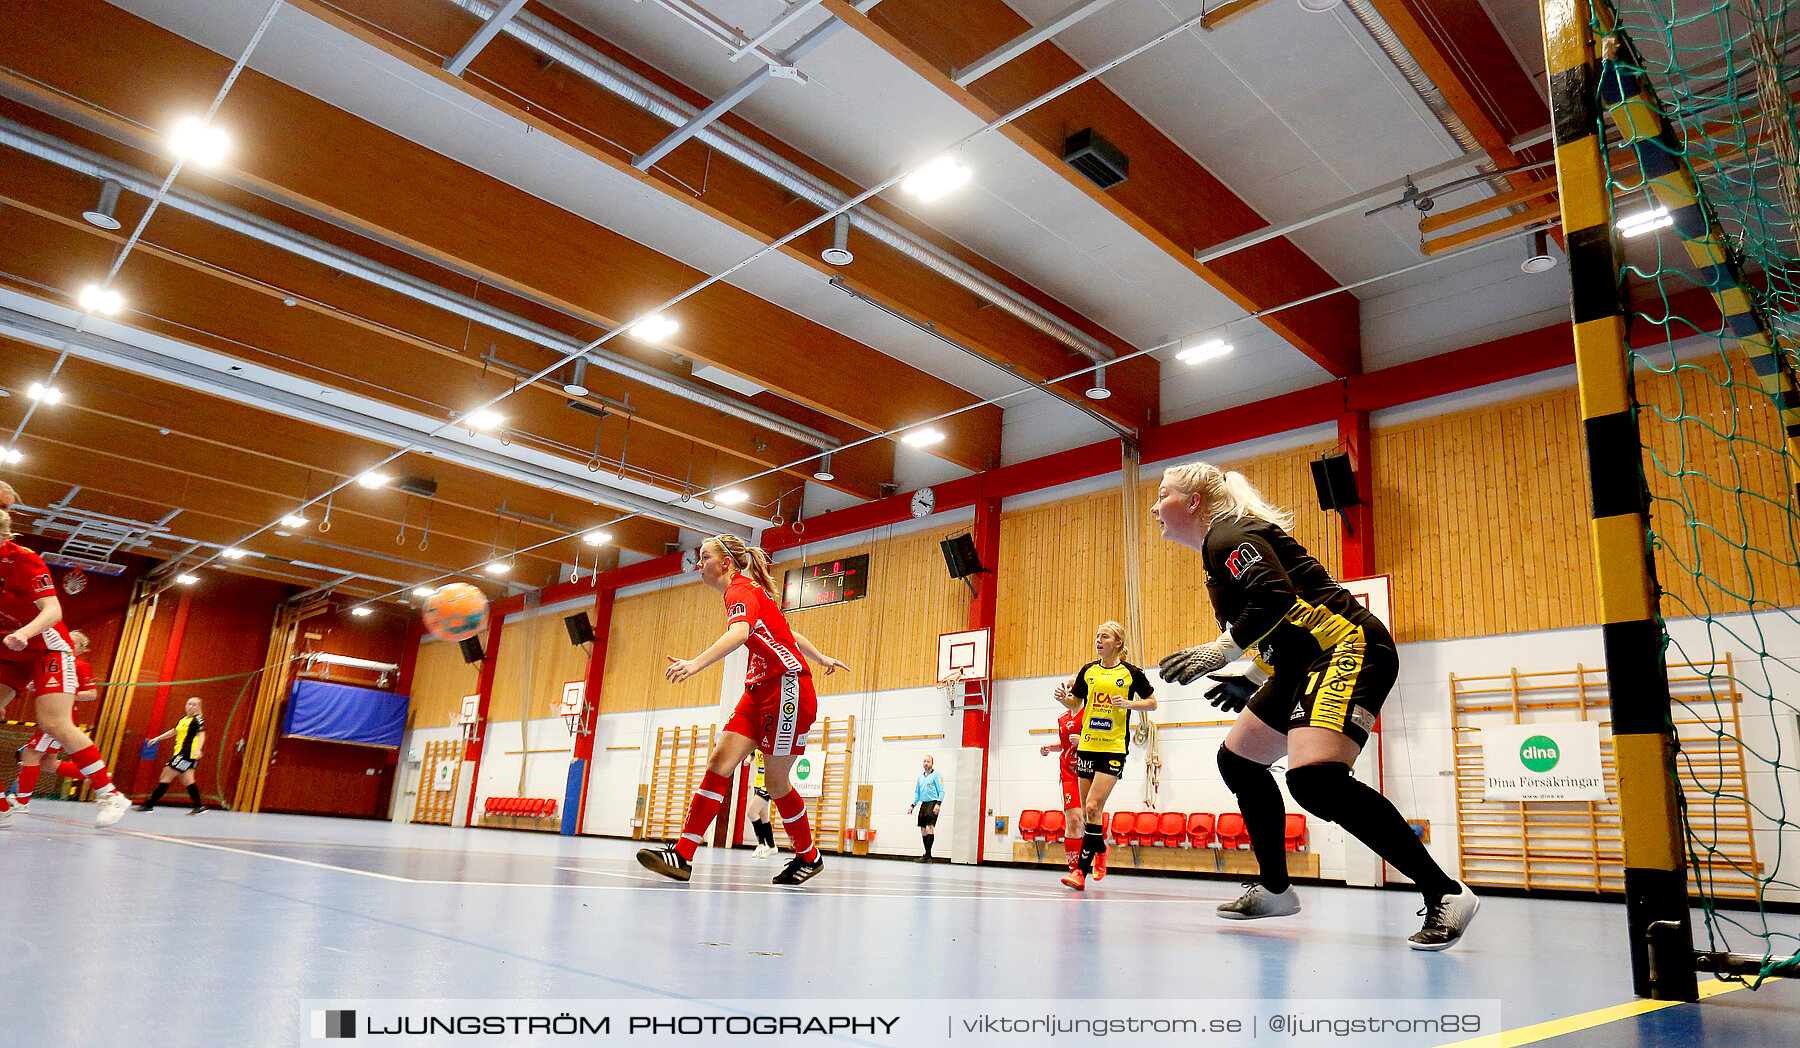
{"points": [[1274, 596]]}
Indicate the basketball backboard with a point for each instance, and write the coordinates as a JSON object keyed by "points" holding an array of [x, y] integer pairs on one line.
{"points": [[965, 650]]}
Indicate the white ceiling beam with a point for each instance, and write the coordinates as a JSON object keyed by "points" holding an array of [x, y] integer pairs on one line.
{"points": [[483, 36], [1027, 40]]}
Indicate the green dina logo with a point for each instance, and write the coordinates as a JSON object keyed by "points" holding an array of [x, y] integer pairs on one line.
{"points": [[1539, 753], [802, 768]]}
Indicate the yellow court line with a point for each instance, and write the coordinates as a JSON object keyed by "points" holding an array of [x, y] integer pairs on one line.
{"points": [[1587, 1020]]}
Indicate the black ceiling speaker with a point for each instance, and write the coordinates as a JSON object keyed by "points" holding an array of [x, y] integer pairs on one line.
{"points": [[959, 556], [1096, 158], [1336, 482], [417, 486], [471, 649], [581, 631]]}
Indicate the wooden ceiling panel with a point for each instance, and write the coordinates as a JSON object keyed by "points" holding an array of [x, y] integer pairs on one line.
{"points": [[393, 188]]}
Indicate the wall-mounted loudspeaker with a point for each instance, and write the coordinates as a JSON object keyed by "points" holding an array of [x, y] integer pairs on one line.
{"points": [[1336, 482], [959, 556], [471, 649], [581, 631]]}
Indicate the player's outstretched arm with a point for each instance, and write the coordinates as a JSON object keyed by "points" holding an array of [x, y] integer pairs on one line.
{"points": [[731, 640]]}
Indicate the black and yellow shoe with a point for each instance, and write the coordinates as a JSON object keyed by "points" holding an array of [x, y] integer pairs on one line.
{"points": [[797, 871], [666, 861]]}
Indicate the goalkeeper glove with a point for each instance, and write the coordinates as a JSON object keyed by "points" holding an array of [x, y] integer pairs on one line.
{"points": [[1235, 685], [1190, 664]]}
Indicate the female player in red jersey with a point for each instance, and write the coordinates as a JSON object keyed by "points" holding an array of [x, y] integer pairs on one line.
{"points": [[1068, 733], [36, 654], [774, 715], [42, 746]]}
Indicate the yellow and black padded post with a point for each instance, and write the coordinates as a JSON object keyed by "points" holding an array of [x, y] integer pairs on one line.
{"points": [[1662, 950]]}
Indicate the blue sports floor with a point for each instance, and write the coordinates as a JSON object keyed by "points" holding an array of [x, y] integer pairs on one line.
{"points": [[220, 929]]}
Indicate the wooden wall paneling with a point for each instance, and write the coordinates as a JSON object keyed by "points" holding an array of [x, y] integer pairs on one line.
{"points": [[681, 621], [440, 680], [1062, 574]]}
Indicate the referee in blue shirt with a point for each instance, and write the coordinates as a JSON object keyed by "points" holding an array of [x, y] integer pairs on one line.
{"points": [[927, 795]]}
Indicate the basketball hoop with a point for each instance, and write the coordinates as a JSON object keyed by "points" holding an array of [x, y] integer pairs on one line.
{"points": [[571, 720], [572, 704], [470, 728], [951, 685]]}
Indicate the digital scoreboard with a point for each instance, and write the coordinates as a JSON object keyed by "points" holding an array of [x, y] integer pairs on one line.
{"points": [[824, 583]]}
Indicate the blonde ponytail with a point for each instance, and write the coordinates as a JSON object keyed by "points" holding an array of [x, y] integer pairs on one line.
{"points": [[1228, 494], [6, 531], [752, 560]]}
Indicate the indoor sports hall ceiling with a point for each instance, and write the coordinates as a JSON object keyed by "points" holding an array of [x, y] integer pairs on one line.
{"points": [[412, 221]]}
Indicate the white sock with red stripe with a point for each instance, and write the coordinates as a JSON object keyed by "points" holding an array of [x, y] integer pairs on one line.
{"points": [[92, 768], [701, 812], [793, 820]]}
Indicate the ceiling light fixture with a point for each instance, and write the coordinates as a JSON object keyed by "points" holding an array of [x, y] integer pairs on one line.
{"points": [[654, 328], [11, 456], [101, 214], [294, 520], [1642, 222], [1539, 259], [923, 438], [731, 497], [823, 473], [194, 139], [597, 538], [1098, 390], [184, 579], [360, 612], [577, 384], [484, 419], [838, 254], [936, 178], [1211, 349], [497, 567], [372, 479], [233, 553], [1317, 6], [423, 591], [97, 299], [47, 394]]}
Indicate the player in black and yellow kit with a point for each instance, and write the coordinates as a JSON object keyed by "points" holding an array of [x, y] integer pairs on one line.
{"points": [[1329, 665], [190, 742], [1103, 693]]}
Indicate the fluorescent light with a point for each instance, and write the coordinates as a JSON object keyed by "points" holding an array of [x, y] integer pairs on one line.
{"points": [[597, 538], [184, 579], [936, 178], [47, 394], [423, 591], [194, 139], [360, 612], [1644, 221], [484, 419], [11, 456], [1205, 351], [654, 328], [294, 520], [498, 567], [233, 553], [921, 438], [96, 299], [731, 496], [372, 479]]}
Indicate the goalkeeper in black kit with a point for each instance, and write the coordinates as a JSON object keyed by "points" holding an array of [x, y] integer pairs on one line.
{"points": [[1324, 664]]}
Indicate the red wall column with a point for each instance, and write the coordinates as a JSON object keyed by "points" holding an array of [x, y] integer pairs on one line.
{"points": [[590, 714], [1359, 521], [982, 614], [485, 690]]}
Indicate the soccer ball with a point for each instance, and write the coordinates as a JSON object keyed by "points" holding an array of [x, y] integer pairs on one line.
{"points": [[456, 612]]}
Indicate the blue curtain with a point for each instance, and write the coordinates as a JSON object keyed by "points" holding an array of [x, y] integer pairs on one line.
{"points": [[340, 713]]}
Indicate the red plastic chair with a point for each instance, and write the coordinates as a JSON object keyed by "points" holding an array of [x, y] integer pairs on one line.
{"points": [[1200, 831], [1122, 824], [1231, 831], [1030, 821], [1296, 833], [1171, 830], [1052, 826], [1145, 831]]}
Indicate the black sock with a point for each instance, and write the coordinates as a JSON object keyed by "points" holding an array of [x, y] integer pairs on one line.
{"points": [[765, 833], [1265, 816], [928, 839], [1372, 819], [194, 795], [156, 795], [1093, 842]]}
